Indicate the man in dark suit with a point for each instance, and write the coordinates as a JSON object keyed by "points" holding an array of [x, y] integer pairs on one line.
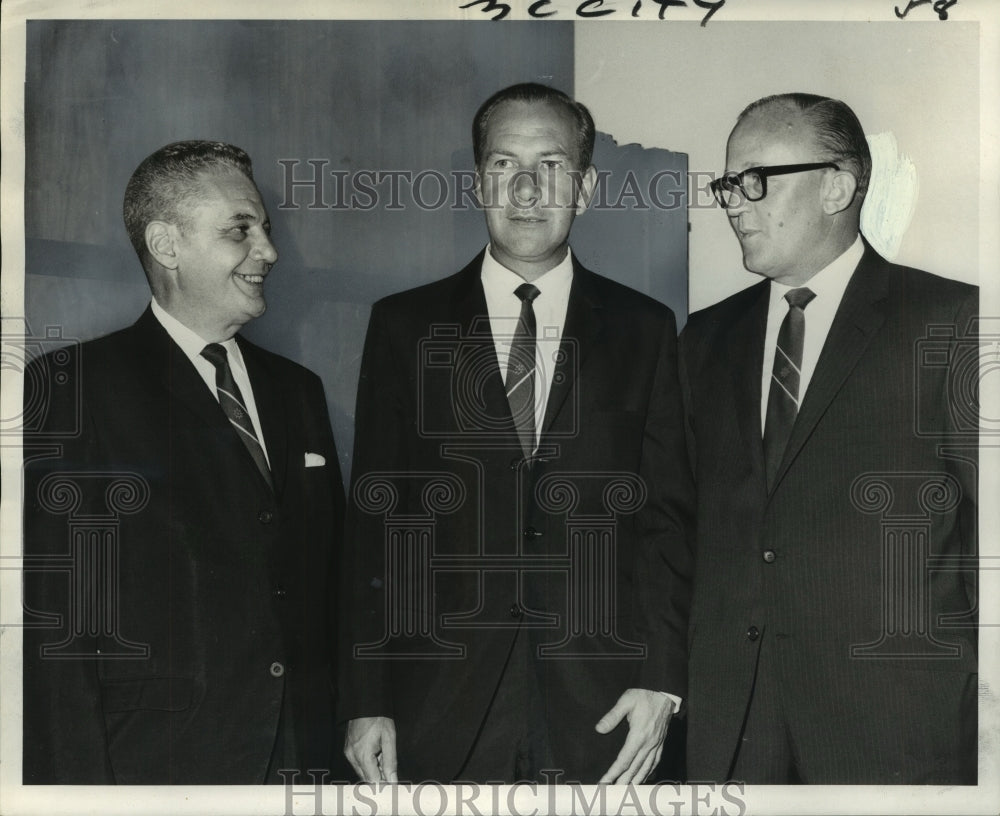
{"points": [[832, 427], [517, 554], [182, 504]]}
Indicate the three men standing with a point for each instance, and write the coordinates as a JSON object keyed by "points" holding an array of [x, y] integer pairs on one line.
{"points": [[519, 561]]}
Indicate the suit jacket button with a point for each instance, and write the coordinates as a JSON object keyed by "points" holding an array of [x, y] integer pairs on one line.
{"points": [[531, 532], [279, 592], [753, 633], [769, 556], [515, 611], [277, 669], [265, 516], [515, 463]]}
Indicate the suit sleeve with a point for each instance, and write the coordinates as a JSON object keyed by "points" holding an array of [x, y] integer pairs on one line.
{"points": [[322, 417], [666, 560], [683, 366], [957, 417], [64, 738], [380, 444]]}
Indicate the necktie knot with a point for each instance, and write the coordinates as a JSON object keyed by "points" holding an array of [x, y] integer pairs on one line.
{"points": [[800, 298], [527, 292], [215, 354]]}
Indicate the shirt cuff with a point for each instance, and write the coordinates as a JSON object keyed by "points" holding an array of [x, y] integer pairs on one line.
{"points": [[676, 700]]}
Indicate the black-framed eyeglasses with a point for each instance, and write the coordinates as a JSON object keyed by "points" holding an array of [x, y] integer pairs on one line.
{"points": [[732, 189]]}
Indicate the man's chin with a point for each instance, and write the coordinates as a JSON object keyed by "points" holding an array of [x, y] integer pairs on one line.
{"points": [[253, 296], [255, 307], [754, 265]]}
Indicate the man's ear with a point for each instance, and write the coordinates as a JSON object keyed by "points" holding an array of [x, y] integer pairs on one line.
{"points": [[838, 192], [161, 243], [585, 185], [478, 189]]}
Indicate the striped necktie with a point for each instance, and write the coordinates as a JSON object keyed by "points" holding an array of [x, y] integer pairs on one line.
{"points": [[234, 407], [520, 381], [783, 398]]}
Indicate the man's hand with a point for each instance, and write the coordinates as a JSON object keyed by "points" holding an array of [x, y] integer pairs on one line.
{"points": [[370, 747], [648, 714]]}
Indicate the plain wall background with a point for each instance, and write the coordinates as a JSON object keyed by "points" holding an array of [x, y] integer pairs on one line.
{"points": [[681, 87]]}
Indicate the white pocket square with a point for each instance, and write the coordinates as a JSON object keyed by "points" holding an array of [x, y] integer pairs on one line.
{"points": [[314, 460]]}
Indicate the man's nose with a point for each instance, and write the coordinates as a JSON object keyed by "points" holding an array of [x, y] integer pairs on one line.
{"points": [[525, 185], [264, 250], [737, 203]]}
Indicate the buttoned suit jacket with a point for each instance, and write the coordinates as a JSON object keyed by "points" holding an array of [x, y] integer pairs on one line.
{"points": [[855, 574], [454, 542], [216, 590]]}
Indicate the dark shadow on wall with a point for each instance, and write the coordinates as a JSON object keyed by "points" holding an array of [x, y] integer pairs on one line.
{"points": [[360, 136]]}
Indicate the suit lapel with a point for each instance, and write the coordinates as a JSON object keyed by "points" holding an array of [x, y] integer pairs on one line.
{"points": [[270, 411], [174, 371], [478, 347], [860, 315], [746, 342], [582, 328], [184, 386]]}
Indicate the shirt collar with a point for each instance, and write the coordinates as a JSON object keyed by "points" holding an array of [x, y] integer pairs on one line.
{"points": [[498, 278], [190, 341]]}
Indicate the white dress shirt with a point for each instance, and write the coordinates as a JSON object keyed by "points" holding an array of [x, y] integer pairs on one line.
{"points": [[828, 285], [550, 306], [192, 344]]}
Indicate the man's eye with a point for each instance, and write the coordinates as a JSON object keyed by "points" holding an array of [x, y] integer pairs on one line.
{"points": [[240, 232], [502, 164], [551, 164]]}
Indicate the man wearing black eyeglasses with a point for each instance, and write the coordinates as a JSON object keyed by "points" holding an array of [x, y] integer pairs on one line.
{"points": [[831, 413]]}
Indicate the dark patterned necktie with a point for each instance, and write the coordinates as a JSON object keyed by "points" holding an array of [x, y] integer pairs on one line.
{"points": [[233, 406], [520, 380], [783, 398]]}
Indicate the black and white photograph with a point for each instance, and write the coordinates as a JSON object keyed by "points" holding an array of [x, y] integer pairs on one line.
{"points": [[575, 406]]}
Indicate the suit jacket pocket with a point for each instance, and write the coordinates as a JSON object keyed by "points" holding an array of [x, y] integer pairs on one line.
{"points": [[148, 693]]}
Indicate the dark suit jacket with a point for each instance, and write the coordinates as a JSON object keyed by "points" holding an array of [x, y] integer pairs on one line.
{"points": [[213, 591], [499, 544], [828, 576]]}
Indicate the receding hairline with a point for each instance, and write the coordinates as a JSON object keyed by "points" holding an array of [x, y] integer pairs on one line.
{"points": [[767, 110], [797, 125]]}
